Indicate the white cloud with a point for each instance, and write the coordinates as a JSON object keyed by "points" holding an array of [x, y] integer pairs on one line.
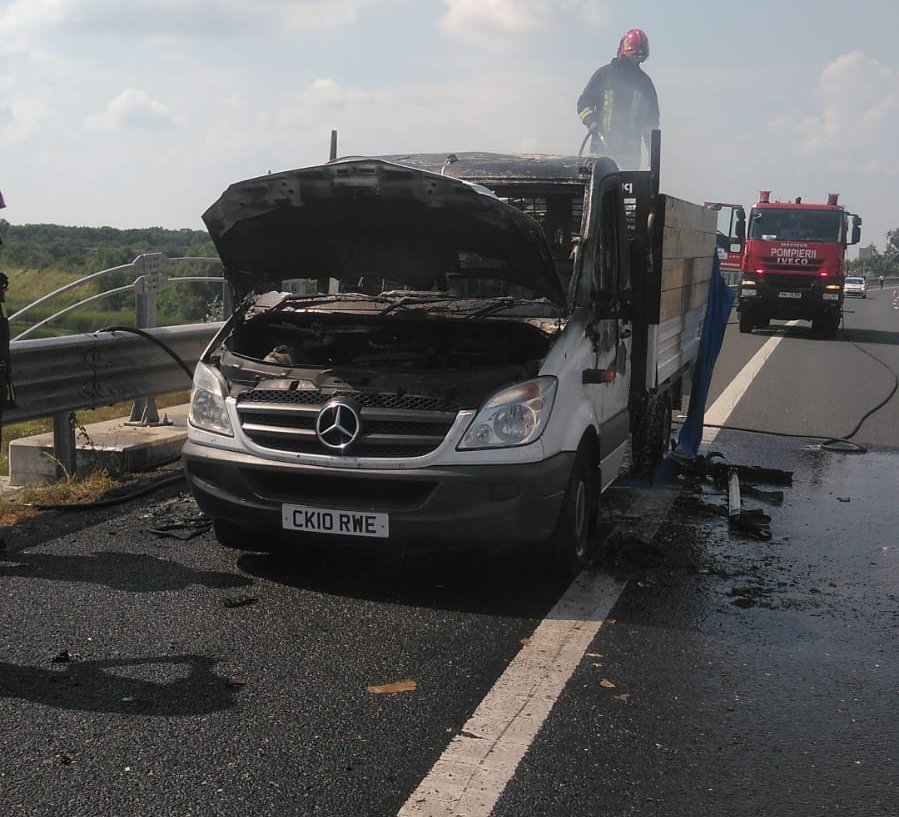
{"points": [[132, 108], [326, 93], [24, 22], [21, 119], [859, 111], [498, 23]]}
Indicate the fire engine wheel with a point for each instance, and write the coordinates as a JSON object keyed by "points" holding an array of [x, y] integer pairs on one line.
{"points": [[577, 520], [827, 326]]}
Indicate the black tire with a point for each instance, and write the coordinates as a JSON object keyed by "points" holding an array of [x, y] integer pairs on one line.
{"points": [[827, 325], [746, 323], [573, 536], [652, 437]]}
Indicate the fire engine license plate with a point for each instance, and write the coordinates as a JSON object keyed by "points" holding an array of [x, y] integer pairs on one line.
{"points": [[789, 295], [334, 521]]}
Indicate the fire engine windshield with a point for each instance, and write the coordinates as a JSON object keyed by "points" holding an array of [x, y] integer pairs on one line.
{"points": [[772, 224]]}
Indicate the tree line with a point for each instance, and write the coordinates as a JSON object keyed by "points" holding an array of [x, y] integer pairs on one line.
{"points": [[89, 249], [34, 254], [884, 263]]}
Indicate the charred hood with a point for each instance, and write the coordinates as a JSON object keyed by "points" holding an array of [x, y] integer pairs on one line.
{"points": [[372, 217]]}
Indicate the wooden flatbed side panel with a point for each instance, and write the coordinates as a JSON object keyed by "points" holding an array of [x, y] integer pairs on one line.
{"points": [[685, 270], [684, 215], [677, 344], [679, 301], [688, 245], [681, 272]]}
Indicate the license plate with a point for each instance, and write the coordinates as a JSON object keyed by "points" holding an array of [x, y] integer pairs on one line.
{"points": [[335, 521], [789, 295]]}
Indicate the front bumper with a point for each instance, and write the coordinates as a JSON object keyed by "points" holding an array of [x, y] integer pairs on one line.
{"points": [[768, 303], [494, 506]]}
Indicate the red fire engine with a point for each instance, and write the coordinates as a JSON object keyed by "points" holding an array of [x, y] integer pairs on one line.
{"points": [[794, 262]]}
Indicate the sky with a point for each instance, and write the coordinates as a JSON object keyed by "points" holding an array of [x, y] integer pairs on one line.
{"points": [[138, 113]]}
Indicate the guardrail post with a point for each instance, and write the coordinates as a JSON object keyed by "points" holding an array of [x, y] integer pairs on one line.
{"points": [[64, 450], [149, 283]]}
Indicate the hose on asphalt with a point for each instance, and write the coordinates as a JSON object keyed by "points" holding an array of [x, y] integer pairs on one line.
{"points": [[842, 445]]}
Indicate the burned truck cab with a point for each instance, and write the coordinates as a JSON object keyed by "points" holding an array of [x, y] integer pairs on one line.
{"points": [[428, 351]]}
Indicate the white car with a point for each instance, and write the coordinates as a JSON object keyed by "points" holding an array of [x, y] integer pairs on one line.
{"points": [[856, 286]]}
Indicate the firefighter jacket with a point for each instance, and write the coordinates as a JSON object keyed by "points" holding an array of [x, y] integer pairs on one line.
{"points": [[620, 102]]}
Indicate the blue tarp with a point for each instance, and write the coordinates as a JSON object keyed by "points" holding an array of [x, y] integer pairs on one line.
{"points": [[721, 300]]}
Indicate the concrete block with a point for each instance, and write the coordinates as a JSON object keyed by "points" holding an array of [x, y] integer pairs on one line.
{"points": [[113, 445]]}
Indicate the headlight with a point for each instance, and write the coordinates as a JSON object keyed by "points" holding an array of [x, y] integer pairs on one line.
{"points": [[207, 402], [514, 416]]}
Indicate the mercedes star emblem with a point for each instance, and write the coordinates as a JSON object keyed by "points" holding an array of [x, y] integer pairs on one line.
{"points": [[337, 425]]}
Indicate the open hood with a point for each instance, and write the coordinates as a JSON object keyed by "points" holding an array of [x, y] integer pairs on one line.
{"points": [[369, 218]]}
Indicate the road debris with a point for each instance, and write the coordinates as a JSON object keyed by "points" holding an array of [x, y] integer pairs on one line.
{"points": [[397, 686], [183, 527], [738, 481], [239, 601]]}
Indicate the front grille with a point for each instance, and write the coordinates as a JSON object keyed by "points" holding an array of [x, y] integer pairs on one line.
{"points": [[787, 282], [773, 264], [392, 425]]}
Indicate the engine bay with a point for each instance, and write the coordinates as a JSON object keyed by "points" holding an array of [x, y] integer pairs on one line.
{"points": [[454, 359]]}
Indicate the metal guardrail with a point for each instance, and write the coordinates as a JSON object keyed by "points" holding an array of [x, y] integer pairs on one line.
{"points": [[55, 377], [151, 276]]}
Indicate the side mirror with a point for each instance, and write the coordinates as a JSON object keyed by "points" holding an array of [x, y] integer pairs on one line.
{"points": [[856, 230]]}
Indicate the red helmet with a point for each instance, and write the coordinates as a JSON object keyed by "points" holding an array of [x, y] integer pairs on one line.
{"points": [[634, 44]]}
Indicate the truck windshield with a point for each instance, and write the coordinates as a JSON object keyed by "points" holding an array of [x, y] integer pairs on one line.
{"points": [[772, 224]]}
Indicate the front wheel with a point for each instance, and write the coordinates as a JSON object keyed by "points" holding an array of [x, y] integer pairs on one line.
{"points": [[574, 529], [827, 325]]}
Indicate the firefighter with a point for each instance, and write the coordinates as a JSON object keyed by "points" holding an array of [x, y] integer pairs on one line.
{"points": [[619, 105]]}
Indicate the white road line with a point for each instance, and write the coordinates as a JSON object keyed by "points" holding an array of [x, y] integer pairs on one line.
{"points": [[475, 768], [722, 408], [471, 774]]}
